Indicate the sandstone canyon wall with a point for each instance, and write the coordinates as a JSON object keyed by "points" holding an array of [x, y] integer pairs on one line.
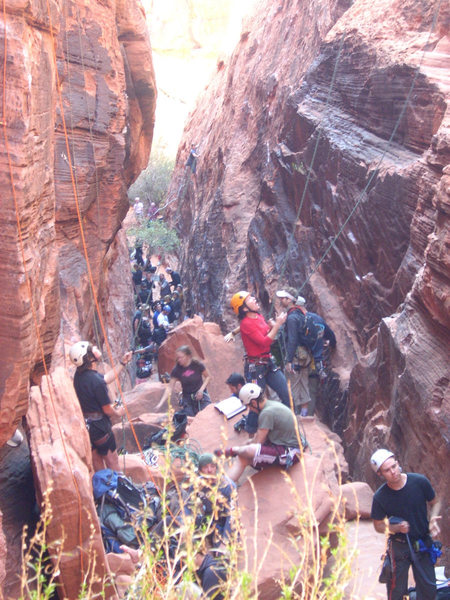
{"points": [[78, 103], [331, 116]]}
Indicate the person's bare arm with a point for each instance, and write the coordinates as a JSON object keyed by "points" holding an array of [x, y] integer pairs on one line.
{"points": [[206, 379], [384, 524], [276, 326], [109, 410], [435, 505], [111, 375], [260, 436], [167, 392]]}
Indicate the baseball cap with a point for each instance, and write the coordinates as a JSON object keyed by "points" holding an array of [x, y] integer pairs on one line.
{"points": [[288, 292]]}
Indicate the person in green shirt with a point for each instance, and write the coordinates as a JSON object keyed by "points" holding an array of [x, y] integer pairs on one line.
{"points": [[276, 441]]}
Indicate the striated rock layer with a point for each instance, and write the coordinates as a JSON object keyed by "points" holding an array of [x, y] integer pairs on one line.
{"points": [[78, 101], [331, 119], [78, 123]]}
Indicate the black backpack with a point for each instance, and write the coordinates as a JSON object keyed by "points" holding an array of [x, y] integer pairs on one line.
{"points": [[179, 424]]}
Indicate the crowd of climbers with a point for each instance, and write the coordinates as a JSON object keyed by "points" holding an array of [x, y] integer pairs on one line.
{"points": [[299, 338], [159, 302]]}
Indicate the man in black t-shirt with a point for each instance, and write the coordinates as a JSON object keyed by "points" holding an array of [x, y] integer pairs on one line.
{"points": [[92, 393], [403, 500]]}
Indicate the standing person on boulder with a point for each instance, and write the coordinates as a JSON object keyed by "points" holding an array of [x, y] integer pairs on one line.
{"points": [[400, 505], [92, 393], [194, 378], [175, 278], [297, 356], [257, 337]]}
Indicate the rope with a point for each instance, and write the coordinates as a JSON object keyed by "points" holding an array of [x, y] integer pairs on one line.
{"points": [[380, 160], [67, 62], [82, 235], [310, 168]]}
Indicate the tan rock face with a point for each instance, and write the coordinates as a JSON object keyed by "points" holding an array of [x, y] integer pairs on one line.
{"points": [[322, 116]]}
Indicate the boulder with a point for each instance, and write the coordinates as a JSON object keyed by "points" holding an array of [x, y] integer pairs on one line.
{"points": [[275, 499], [207, 344], [143, 398], [61, 460], [367, 548], [357, 500], [120, 564], [277, 509], [142, 427], [211, 430], [160, 469]]}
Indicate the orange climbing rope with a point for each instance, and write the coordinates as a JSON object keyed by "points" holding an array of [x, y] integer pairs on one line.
{"points": [[83, 238]]}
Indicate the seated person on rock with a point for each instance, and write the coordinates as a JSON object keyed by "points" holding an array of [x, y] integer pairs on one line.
{"points": [[194, 378], [276, 441], [90, 387]]}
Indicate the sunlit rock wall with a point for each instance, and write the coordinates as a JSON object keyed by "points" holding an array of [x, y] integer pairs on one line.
{"points": [[78, 123], [334, 116], [78, 100]]}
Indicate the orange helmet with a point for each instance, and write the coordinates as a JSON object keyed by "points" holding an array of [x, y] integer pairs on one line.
{"points": [[238, 300]]}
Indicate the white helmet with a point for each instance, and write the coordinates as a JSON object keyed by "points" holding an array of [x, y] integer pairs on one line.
{"points": [[379, 457], [77, 353], [248, 392]]}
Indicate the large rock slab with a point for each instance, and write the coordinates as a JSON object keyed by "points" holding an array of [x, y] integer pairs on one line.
{"points": [[271, 501], [61, 459]]}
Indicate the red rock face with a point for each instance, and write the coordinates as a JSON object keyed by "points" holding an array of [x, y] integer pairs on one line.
{"points": [[78, 102], [61, 459], [85, 70], [326, 119]]}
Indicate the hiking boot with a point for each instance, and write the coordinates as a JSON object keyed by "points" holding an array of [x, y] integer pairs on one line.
{"points": [[228, 452]]}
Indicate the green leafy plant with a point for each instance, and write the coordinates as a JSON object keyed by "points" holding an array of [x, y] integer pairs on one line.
{"points": [[157, 235]]}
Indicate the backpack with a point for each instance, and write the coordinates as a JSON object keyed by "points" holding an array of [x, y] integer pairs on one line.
{"points": [[179, 423], [120, 506], [307, 333]]}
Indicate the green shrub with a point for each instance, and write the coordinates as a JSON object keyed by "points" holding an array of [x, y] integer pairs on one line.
{"points": [[153, 182], [157, 235]]}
